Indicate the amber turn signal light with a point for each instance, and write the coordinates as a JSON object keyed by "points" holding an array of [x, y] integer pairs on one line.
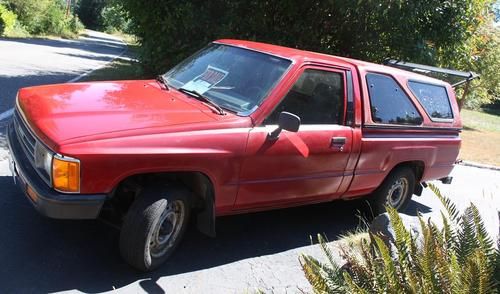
{"points": [[66, 174]]}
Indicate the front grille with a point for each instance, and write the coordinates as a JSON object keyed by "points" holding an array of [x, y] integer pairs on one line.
{"points": [[28, 142], [25, 137]]}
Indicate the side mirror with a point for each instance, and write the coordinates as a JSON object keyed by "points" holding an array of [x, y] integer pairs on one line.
{"points": [[288, 122]]}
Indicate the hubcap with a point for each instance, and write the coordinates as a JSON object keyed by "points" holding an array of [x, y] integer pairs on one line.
{"points": [[167, 229], [397, 193]]}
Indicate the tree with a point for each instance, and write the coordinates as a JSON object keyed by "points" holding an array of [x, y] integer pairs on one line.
{"points": [[115, 18], [89, 11], [433, 32], [483, 58]]}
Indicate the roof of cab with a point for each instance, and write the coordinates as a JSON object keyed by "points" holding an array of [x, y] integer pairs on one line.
{"points": [[298, 55]]}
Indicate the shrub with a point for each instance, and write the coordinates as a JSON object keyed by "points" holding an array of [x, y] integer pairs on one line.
{"points": [[30, 13], [459, 258], [115, 18], [75, 25], [7, 19], [53, 22], [45, 17]]}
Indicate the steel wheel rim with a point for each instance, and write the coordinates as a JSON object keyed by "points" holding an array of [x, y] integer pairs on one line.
{"points": [[397, 193], [167, 229]]}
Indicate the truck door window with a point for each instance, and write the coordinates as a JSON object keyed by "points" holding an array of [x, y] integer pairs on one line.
{"points": [[389, 103], [317, 98], [433, 98]]}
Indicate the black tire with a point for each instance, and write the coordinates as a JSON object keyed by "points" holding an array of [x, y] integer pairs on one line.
{"points": [[389, 190], [142, 222]]}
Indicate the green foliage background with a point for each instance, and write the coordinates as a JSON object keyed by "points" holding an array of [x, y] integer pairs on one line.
{"points": [[109, 16], [43, 17], [7, 19], [435, 32]]}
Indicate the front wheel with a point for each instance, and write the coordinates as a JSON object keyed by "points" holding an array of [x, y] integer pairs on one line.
{"points": [[395, 191], [154, 226]]}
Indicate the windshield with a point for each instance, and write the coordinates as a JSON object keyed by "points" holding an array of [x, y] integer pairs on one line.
{"points": [[236, 79]]}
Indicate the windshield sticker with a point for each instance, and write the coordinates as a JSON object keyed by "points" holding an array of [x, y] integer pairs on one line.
{"points": [[207, 80]]}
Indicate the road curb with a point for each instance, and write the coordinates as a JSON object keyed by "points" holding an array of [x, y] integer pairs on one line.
{"points": [[479, 165]]}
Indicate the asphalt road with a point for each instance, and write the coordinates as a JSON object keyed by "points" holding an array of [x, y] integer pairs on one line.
{"points": [[30, 62]]}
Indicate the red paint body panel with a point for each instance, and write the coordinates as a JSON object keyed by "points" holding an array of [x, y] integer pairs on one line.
{"points": [[298, 166], [120, 129]]}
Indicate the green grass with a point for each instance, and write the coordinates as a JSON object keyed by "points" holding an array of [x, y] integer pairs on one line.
{"points": [[480, 121], [480, 137], [119, 69]]}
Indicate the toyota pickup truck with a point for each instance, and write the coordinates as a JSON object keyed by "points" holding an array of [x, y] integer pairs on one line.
{"points": [[237, 127]]}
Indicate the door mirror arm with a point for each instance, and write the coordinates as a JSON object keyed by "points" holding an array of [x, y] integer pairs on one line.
{"points": [[288, 122]]}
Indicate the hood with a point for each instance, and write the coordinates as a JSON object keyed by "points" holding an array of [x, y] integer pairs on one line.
{"points": [[68, 111]]}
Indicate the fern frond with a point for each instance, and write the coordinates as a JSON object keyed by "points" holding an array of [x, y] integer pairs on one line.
{"points": [[402, 236], [426, 259], [467, 241], [353, 287], [448, 232], [327, 251], [450, 207], [470, 276], [377, 280], [486, 271], [389, 267], [442, 267], [332, 271], [484, 240], [314, 273], [455, 273], [496, 269]]}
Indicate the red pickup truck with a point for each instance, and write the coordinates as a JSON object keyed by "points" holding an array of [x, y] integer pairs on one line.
{"points": [[237, 127]]}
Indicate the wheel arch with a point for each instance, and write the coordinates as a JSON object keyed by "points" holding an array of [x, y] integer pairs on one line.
{"points": [[199, 183]]}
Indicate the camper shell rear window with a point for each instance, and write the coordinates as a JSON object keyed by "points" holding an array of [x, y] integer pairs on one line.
{"points": [[434, 99]]}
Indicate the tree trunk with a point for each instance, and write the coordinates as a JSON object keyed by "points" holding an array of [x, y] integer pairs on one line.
{"points": [[461, 102]]}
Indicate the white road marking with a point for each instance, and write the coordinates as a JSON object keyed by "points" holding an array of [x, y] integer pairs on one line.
{"points": [[6, 114]]}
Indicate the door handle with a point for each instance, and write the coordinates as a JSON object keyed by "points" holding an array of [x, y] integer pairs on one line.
{"points": [[338, 143], [338, 140]]}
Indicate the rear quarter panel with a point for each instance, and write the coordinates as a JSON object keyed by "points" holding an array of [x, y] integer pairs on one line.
{"points": [[434, 144]]}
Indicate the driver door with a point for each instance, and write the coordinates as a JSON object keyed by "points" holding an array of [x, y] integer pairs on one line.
{"points": [[307, 166]]}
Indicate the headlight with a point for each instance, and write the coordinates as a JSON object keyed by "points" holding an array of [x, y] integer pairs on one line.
{"points": [[43, 159], [66, 174]]}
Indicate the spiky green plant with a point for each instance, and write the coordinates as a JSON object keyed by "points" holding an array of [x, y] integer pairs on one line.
{"points": [[458, 258]]}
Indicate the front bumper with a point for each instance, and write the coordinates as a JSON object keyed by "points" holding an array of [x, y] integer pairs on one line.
{"points": [[46, 200]]}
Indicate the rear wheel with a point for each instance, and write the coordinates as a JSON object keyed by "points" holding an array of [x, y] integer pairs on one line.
{"points": [[395, 191], [154, 226]]}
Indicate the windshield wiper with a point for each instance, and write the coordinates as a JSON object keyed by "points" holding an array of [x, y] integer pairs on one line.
{"points": [[161, 79], [197, 95]]}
